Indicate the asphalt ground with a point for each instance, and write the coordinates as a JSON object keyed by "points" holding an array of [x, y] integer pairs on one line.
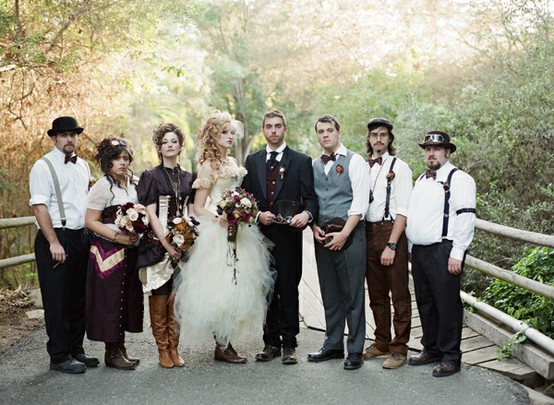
{"points": [[25, 378]]}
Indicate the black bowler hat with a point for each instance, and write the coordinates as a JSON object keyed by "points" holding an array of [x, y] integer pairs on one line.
{"points": [[438, 138], [64, 124], [284, 210], [380, 122]]}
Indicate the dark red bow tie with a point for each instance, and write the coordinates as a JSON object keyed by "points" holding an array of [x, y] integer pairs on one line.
{"points": [[373, 161], [72, 159], [431, 173], [327, 158]]}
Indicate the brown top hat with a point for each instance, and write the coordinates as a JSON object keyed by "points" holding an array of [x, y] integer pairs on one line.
{"points": [[64, 124], [439, 138]]}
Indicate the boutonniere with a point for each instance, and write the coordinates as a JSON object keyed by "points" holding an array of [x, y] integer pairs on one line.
{"points": [[282, 172], [390, 177], [339, 170]]}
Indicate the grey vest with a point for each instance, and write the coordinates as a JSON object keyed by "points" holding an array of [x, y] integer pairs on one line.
{"points": [[334, 190]]}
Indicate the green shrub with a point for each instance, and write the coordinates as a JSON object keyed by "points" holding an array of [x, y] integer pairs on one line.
{"points": [[531, 308]]}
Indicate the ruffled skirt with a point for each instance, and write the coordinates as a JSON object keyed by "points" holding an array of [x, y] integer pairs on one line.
{"points": [[209, 301]]}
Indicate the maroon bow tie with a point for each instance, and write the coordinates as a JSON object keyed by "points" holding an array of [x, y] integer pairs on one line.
{"points": [[373, 161], [431, 173], [72, 159], [327, 158]]}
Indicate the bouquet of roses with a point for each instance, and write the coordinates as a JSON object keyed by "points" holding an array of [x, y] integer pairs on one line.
{"points": [[182, 231], [131, 217], [237, 206]]}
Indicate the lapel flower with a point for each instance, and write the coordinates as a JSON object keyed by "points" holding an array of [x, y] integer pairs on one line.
{"points": [[390, 177], [339, 170], [282, 172]]}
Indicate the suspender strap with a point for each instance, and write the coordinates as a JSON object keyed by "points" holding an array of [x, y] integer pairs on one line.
{"points": [[387, 203], [58, 192], [446, 211]]}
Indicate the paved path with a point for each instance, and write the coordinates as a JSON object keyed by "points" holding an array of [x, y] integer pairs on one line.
{"points": [[25, 379]]}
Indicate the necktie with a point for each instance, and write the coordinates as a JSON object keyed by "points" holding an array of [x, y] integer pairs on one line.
{"points": [[373, 161], [431, 173], [272, 161], [327, 158], [72, 159]]}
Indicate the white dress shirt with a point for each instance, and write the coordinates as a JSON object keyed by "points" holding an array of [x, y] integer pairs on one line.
{"points": [[279, 151], [425, 213], [401, 189], [74, 180]]}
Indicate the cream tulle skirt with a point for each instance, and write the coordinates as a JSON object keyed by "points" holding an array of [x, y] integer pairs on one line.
{"points": [[208, 301]]}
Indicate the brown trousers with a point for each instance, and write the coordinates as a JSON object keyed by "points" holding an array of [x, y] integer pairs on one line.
{"points": [[382, 279]]}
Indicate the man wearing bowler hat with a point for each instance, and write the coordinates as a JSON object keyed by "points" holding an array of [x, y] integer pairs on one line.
{"points": [[390, 182], [440, 226], [282, 182], [59, 185]]}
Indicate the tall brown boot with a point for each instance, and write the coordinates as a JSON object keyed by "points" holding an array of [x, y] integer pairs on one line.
{"points": [[124, 352], [158, 320], [173, 332], [113, 357]]}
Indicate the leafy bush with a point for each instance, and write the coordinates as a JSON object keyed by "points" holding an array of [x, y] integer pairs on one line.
{"points": [[534, 309]]}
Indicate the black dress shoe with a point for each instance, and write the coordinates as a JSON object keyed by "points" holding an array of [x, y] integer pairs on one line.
{"points": [[269, 353], [325, 354], [69, 366], [446, 368], [424, 358], [353, 361], [289, 356], [86, 360]]}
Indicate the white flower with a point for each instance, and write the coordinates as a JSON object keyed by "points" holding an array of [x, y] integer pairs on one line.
{"points": [[141, 209], [177, 220], [178, 239], [132, 214], [245, 202]]}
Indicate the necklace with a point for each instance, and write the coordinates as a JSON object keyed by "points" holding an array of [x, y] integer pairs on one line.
{"points": [[176, 187], [375, 182]]}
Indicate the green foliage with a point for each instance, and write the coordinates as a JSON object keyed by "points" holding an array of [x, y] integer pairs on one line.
{"points": [[526, 306], [506, 350]]}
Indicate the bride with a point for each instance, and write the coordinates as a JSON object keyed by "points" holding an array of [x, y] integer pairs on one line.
{"points": [[209, 301]]}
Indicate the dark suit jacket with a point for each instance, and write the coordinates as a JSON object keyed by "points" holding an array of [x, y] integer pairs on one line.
{"points": [[296, 183]]}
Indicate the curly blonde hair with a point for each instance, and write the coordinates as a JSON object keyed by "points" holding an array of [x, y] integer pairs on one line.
{"points": [[208, 134]]}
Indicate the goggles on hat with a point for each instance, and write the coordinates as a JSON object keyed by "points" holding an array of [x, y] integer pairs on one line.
{"points": [[116, 142], [434, 138]]}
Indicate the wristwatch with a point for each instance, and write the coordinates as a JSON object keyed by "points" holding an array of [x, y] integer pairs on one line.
{"points": [[391, 245]]}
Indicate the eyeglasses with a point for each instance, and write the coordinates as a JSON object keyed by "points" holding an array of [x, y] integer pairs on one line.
{"points": [[434, 138], [375, 136], [116, 142]]}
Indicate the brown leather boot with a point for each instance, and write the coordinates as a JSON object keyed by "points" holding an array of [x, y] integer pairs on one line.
{"points": [[228, 354], [123, 350], [158, 320], [113, 357], [173, 332]]}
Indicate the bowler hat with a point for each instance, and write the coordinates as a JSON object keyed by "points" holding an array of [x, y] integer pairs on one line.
{"points": [[64, 124], [438, 138], [380, 122], [284, 210]]}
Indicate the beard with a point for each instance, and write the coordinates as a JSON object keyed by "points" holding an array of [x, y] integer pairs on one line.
{"points": [[434, 165]]}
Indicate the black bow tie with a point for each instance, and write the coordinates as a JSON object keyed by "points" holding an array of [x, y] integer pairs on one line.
{"points": [[327, 158], [431, 173], [373, 161], [272, 161], [72, 159]]}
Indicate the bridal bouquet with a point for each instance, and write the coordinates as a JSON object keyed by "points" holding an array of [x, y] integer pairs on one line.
{"points": [[237, 206], [182, 231], [131, 217]]}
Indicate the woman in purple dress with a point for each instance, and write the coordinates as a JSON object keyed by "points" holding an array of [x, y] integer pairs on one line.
{"points": [[114, 299], [165, 191]]}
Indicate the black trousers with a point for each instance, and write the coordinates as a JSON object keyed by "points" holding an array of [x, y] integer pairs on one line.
{"points": [[282, 322], [63, 292], [438, 300]]}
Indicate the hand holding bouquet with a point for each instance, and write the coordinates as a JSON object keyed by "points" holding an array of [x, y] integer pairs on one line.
{"points": [[182, 231], [132, 218]]}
